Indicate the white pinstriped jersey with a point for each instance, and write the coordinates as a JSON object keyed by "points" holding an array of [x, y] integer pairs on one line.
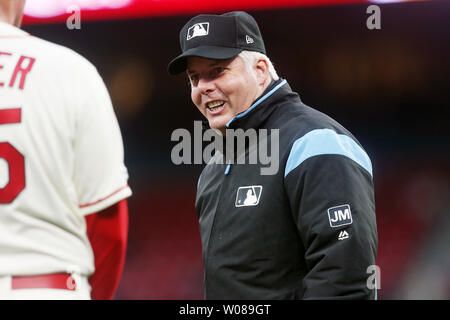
{"points": [[61, 155]]}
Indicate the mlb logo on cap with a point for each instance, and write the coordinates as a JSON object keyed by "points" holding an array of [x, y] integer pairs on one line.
{"points": [[198, 30], [231, 33]]}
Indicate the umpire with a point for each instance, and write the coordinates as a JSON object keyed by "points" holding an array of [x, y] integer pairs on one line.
{"points": [[309, 230]]}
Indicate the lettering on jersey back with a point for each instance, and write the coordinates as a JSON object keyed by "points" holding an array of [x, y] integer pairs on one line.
{"points": [[22, 67]]}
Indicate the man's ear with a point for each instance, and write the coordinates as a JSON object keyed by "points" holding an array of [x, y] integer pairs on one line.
{"points": [[262, 71]]}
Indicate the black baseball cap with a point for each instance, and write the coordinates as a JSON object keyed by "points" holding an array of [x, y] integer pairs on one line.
{"points": [[217, 37]]}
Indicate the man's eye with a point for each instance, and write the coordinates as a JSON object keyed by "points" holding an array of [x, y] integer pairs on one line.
{"points": [[219, 69], [194, 77]]}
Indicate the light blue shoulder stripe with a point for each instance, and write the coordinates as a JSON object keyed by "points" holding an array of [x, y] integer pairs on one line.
{"points": [[326, 141]]}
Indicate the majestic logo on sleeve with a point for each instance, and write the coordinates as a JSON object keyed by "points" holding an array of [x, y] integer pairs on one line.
{"points": [[340, 216], [343, 235], [198, 30], [248, 196]]}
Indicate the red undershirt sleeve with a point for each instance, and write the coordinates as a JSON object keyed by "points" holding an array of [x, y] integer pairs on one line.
{"points": [[107, 231]]}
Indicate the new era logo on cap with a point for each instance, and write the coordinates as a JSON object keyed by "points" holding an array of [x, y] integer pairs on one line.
{"points": [[198, 30]]}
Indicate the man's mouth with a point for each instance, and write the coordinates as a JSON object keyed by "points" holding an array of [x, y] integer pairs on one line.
{"points": [[215, 106]]}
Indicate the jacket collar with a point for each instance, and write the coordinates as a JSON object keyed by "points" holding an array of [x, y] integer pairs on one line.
{"points": [[261, 109]]}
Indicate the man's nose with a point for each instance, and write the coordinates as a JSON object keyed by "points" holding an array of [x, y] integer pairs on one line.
{"points": [[205, 86]]}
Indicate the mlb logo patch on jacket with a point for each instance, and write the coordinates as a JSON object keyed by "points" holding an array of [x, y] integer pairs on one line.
{"points": [[248, 196], [340, 215]]}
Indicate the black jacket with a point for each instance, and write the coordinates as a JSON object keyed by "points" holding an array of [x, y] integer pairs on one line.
{"points": [[282, 236]]}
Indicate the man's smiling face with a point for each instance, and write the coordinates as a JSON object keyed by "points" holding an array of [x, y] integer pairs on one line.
{"points": [[221, 89]]}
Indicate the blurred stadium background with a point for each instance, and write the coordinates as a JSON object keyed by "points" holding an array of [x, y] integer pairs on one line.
{"points": [[390, 87]]}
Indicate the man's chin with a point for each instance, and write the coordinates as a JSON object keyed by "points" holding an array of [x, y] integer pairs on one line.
{"points": [[220, 131], [218, 125]]}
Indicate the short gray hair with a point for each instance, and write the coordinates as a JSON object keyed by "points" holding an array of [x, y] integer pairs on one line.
{"points": [[250, 57]]}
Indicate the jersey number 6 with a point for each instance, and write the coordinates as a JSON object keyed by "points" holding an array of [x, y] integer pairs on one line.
{"points": [[14, 159]]}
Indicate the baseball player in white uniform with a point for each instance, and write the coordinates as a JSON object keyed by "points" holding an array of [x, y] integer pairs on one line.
{"points": [[63, 182]]}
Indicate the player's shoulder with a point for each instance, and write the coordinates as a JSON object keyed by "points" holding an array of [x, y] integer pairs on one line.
{"points": [[51, 57], [59, 56]]}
